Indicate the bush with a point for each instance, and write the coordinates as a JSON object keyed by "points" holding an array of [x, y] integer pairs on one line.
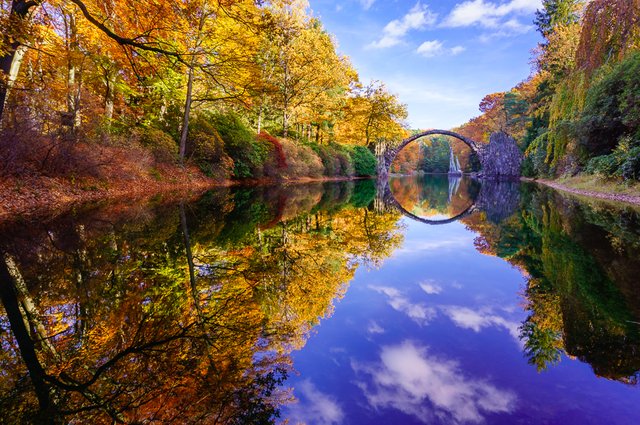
{"points": [[162, 145], [249, 155], [278, 151], [623, 162], [208, 152], [364, 162], [301, 160], [335, 160], [630, 168], [605, 165]]}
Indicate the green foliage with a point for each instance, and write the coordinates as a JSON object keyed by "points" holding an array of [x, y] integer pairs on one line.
{"points": [[623, 162], [364, 162], [612, 107], [364, 193], [248, 154], [435, 155], [206, 147], [541, 345], [537, 153], [605, 165], [528, 168], [335, 160], [630, 169], [554, 13], [161, 144]]}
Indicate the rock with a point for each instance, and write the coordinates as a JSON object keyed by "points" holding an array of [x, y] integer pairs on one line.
{"points": [[501, 158]]}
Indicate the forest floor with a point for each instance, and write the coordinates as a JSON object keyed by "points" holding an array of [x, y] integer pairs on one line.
{"points": [[596, 187]]}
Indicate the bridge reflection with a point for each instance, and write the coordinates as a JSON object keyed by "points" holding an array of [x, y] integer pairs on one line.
{"points": [[440, 200]]}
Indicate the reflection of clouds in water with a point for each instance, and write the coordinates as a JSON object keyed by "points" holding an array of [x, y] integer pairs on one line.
{"points": [[417, 312], [430, 287], [435, 246], [314, 407], [417, 383], [477, 320]]}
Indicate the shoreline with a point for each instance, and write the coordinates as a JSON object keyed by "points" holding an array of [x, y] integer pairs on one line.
{"points": [[608, 196], [30, 197], [24, 198]]}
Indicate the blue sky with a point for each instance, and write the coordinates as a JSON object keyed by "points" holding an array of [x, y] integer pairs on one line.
{"points": [[441, 57]]}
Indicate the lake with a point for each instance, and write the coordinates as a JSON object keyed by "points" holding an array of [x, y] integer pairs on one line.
{"points": [[433, 300]]}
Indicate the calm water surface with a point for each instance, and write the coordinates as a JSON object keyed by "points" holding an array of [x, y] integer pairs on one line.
{"points": [[435, 301]]}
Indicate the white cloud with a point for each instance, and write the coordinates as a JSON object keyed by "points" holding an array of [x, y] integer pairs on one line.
{"points": [[366, 4], [490, 15], [315, 407], [375, 328], [477, 320], [419, 313], [429, 49], [419, 17], [430, 287], [410, 379]]}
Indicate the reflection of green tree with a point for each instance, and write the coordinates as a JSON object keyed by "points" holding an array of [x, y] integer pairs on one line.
{"points": [[170, 314], [578, 297]]}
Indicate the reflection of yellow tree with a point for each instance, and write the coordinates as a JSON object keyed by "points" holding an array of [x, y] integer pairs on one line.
{"points": [[161, 320]]}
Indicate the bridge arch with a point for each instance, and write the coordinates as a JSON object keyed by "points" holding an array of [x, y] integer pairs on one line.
{"points": [[391, 154]]}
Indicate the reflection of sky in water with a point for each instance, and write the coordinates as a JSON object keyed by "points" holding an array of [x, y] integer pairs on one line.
{"points": [[432, 338]]}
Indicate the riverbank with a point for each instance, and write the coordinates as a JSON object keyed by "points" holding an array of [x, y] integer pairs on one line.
{"points": [[595, 187], [31, 196], [27, 196]]}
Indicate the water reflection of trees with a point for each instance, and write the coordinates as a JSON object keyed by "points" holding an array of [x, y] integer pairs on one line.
{"points": [[582, 293], [176, 313]]}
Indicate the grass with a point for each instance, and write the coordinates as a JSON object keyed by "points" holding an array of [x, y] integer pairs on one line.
{"points": [[601, 185]]}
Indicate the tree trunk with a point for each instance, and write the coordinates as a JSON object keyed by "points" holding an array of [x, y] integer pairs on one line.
{"points": [[109, 96], [285, 123], [185, 119], [11, 59], [260, 119], [26, 345]]}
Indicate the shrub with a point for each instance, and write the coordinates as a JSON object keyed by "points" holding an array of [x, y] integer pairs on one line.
{"points": [[335, 160], [248, 154], [630, 168], [604, 165], [208, 152], [162, 145], [280, 158], [364, 163], [302, 161]]}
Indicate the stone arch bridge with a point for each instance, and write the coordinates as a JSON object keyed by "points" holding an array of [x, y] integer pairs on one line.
{"points": [[500, 158]]}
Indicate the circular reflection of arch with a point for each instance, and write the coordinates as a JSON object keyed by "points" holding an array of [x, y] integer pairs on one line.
{"points": [[470, 210], [392, 200]]}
